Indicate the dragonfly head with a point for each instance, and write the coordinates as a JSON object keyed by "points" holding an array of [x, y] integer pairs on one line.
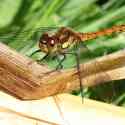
{"points": [[48, 44]]}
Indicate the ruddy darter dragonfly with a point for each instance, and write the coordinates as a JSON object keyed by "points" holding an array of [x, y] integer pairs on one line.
{"points": [[65, 38]]}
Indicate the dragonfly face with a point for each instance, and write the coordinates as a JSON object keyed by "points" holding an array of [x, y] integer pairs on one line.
{"points": [[52, 44], [48, 44]]}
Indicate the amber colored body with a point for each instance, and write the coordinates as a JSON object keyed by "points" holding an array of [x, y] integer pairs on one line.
{"points": [[66, 37]]}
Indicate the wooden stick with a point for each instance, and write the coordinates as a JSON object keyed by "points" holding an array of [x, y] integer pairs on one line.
{"points": [[25, 79]]}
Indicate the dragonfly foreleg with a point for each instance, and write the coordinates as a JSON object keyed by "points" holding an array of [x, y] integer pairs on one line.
{"points": [[39, 61], [39, 50], [59, 66]]}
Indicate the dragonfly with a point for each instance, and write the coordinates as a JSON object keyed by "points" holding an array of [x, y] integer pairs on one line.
{"points": [[65, 38], [58, 44]]}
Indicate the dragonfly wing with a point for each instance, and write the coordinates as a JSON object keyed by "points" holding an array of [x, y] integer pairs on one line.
{"points": [[20, 35]]}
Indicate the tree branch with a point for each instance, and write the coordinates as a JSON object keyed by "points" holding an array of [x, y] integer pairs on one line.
{"points": [[25, 79]]}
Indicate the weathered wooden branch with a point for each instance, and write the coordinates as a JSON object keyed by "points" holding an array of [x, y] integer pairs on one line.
{"points": [[25, 79]]}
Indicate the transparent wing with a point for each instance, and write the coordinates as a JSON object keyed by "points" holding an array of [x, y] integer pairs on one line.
{"points": [[20, 35]]}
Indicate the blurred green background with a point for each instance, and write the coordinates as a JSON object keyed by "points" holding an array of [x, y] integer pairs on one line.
{"points": [[22, 20]]}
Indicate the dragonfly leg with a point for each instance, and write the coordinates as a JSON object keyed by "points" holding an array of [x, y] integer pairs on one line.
{"points": [[44, 57], [59, 66], [60, 61], [79, 72], [39, 50], [39, 60]]}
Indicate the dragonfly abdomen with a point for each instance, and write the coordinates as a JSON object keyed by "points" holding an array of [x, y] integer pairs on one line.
{"points": [[109, 31]]}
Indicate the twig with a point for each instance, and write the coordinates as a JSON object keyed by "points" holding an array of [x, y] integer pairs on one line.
{"points": [[26, 79]]}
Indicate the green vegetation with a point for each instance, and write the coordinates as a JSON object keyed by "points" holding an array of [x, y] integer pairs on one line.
{"points": [[19, 16]]}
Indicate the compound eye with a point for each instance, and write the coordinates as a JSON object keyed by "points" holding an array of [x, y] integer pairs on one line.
{"points": [[52, 42]]}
